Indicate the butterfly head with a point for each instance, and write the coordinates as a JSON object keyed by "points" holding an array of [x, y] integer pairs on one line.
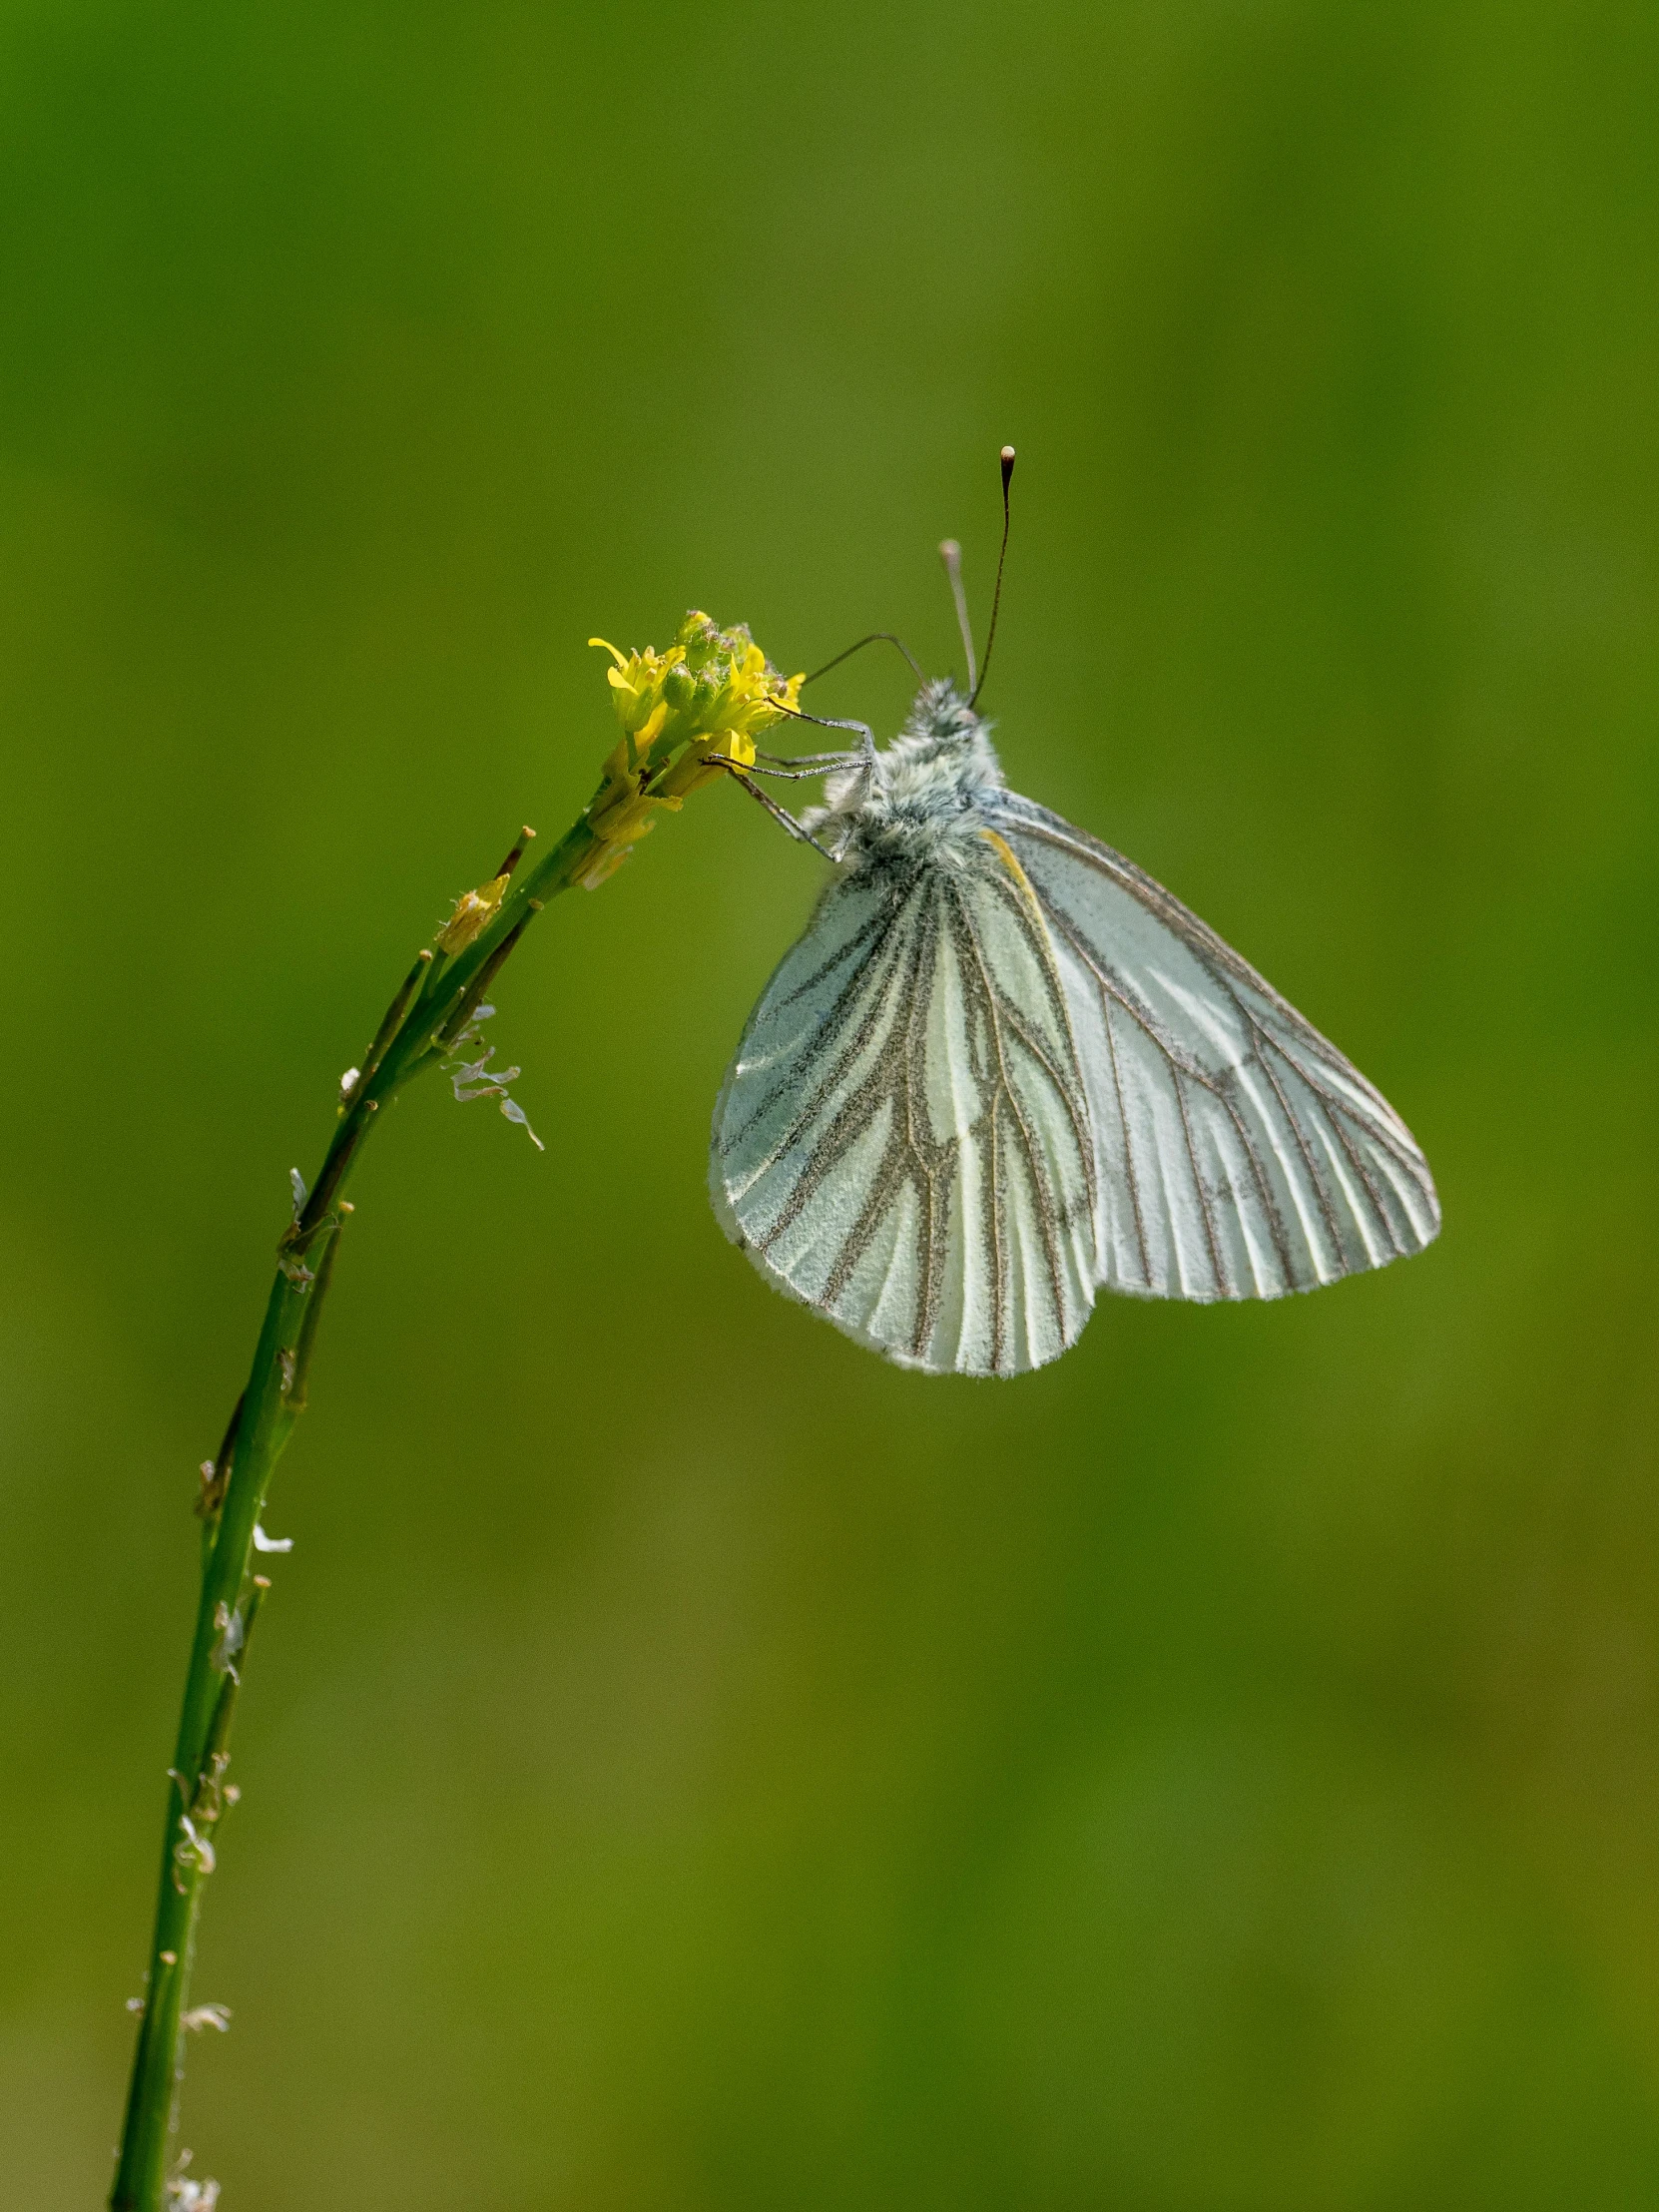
{"points": [[922, 795]]}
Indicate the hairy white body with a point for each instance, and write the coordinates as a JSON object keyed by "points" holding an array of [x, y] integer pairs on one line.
{"points": [[1003, 1068]]}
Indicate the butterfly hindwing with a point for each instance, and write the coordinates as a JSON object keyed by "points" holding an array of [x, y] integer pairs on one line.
{"points": [[1238, 1153], [903, 1140]]}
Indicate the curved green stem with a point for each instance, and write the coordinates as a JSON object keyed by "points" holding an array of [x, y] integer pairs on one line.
{"points": [[424, 1018]]}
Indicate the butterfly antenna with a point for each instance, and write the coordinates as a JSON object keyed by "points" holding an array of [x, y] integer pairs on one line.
{"points": [[951, 555], [1008, 460], [876, 637]]}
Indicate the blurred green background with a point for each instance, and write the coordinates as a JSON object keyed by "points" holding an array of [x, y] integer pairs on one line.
{"points": [[689, 1767]]}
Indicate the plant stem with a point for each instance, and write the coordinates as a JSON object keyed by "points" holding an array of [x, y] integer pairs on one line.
{"points": [[430, 1009]]}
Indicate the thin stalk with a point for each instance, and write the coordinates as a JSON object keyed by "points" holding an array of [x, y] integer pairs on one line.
{"points": [[428, 1011], [676, 754]]}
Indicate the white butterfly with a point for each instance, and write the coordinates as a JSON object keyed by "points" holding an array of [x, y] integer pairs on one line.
{"points": [[1003, 1068]]}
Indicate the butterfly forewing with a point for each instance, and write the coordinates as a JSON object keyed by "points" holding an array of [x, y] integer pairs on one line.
{"points": [[903, 1140], [1238, 1154]]}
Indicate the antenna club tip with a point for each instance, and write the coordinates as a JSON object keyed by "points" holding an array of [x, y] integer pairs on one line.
{"points": [[949, 552], [1007, 456]]}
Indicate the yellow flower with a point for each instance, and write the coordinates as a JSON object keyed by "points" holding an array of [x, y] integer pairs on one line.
{"points": [[707, 695], [709, 686]]}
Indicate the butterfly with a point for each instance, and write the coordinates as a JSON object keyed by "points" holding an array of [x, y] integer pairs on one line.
{"points": [[1004, 1069]]}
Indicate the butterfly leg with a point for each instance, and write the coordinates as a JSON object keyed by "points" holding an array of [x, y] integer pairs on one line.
{"points": [[762, 799], [789, 772], [861, 756], [820, 762], [863, 760], [865, 750]]}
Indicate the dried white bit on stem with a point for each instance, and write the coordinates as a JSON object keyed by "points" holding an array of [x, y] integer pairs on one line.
{"points": [[263, 1542], [194, 1853], [470, 1079], [185, 2195], [206, 2016], [230, 1629]]}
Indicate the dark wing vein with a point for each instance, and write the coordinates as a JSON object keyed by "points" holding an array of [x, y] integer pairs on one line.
{"points": [[889, 1094], [1128, 1138], [1223, 1036], [1003, 1096]]}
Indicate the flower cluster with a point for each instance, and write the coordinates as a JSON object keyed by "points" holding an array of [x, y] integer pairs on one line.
{"points": [[685, 714]]}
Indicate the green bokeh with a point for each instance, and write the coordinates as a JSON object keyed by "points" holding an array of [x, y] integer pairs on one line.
{"points": [[688, 1766]]}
